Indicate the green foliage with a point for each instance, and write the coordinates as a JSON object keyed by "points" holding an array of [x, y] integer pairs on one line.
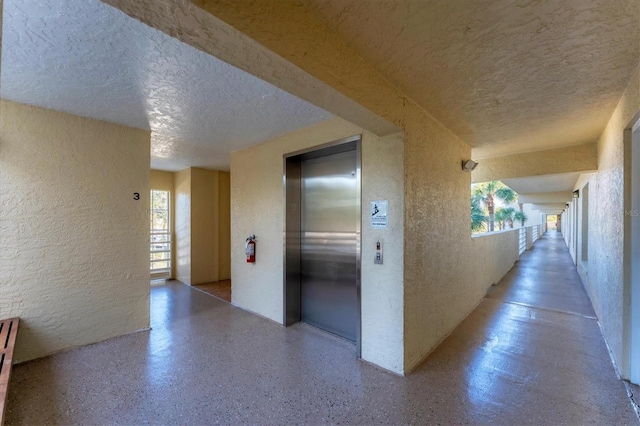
{"points": [[521, 216], [506, 194], [478, 218], [486, 194], [505, 215]]}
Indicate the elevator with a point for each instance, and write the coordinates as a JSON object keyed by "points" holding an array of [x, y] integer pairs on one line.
{"points": [[322, 238]]}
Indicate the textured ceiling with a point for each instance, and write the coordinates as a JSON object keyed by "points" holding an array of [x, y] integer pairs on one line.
{"points": [[89, 59], [546, 183], [506, 76]]}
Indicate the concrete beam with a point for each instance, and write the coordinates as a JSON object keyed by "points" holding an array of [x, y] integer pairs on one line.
{"points": [[545, 197], [549, 208], [579, 158], [194, 26]]}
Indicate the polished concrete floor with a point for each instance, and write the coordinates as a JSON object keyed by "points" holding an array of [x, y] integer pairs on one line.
{"points": [[531, 353], [219, 289]]}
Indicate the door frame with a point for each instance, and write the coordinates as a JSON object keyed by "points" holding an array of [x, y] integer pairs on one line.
{"points": [[631, 365], [291, 175]]}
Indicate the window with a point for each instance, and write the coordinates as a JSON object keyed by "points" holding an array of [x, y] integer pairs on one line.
{"points": [[160, 235]]}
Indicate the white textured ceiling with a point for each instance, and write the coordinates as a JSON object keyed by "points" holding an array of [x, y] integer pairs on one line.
{"points": [[506, 76], [87, 58]]}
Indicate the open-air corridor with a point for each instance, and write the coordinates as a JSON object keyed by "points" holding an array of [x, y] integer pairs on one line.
{"points": [[531, 353]]}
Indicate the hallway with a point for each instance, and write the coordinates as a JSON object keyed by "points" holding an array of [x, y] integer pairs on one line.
{"points": [[530, 353]]}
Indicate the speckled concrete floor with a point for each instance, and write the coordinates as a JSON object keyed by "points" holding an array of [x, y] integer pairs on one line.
{"points": [[206, 362], [219, 289]]}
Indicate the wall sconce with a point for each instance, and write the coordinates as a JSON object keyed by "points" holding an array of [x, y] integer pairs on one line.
{"points": [[469, 165], [576, 193]]}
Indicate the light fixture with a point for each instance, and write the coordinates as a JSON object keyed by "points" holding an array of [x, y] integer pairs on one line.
{"points": [[576, 193], [469, 165]]}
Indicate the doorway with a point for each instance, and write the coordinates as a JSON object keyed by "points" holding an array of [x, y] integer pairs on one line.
{"points": [[322, 253], [160, 235]]}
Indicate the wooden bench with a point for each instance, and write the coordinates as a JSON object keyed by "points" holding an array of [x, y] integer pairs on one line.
{"points": [[8, 333]]}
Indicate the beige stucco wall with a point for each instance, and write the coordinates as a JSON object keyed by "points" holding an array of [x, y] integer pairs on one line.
{"points": [[440, 287], [202, 225], [182, 230], [224, 225], [74, 261], [495, 255], [162, 180], [603, 274], [257, 207]]}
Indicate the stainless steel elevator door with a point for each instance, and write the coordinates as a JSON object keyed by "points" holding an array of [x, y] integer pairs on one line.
{"points": [[329, 224]]}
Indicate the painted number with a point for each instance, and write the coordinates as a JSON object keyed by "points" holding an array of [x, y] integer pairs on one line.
{"points": [[136, 195]]}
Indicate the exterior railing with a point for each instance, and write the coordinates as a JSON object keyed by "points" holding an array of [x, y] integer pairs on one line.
{"points": [[160, 260], [527, 235], [495, 253], [522, 241]]}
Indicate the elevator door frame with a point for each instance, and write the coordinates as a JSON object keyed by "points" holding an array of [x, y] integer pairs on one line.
{"points": [[292, 225]]}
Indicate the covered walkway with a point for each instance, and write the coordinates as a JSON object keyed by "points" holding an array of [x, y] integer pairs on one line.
{"points": [[531, 353]]}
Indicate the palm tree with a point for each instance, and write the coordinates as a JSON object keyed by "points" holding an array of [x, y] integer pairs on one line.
{"points": [[521, 216], [499, 218], [478, 219], [509, 214], [487, 193]]}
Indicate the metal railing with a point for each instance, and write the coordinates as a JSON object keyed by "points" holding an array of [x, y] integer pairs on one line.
{"points": [[534, 234], [160, 254]]}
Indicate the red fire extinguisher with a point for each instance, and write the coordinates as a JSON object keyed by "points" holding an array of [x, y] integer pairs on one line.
{"points": [[250, 246]]}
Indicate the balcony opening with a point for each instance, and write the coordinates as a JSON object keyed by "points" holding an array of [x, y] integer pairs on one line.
{"points": [[160, 235]]}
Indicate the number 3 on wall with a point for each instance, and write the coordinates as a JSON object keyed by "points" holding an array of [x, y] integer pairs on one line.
{"points": [[136, 195]]}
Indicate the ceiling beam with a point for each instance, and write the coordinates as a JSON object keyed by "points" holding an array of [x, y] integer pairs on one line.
{"points": [[198, 28], [549, 208], [578, 158], [545, 197]]}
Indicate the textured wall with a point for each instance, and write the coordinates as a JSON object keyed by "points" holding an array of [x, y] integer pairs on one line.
{"points": [[202, 225], [74, 257], [439, 283], [604, 282], [205, 192], [257, 199], [382, 285], [224, 226], [495, 255], [164, 181]]}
